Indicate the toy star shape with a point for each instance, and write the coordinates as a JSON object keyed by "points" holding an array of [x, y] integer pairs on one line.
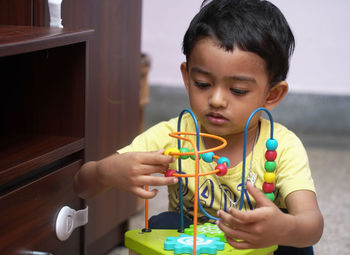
{"points": [[184, 244]]}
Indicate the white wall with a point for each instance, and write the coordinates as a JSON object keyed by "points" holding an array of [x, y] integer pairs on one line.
{"points": [[320, 63]]}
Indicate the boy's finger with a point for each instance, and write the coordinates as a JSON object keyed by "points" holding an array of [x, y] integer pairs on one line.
{"points": [[156, 180], [259, 196], [228, 219], [145, 194], [233, 233], [157, 158], [150, 169]]}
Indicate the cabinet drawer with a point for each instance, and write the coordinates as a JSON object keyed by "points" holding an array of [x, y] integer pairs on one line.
{"points": [[28, 215]]}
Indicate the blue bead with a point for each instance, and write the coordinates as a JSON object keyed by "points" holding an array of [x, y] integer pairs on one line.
{"points": [[271, 144], [208, 157], [224, 160]]}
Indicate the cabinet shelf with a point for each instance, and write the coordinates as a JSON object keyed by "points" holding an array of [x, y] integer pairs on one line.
{"points": [[42, 97], [22, 39], [27, 152]]}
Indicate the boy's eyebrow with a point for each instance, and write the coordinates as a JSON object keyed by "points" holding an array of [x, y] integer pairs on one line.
{"points": [[199, 70], [233, 77]]}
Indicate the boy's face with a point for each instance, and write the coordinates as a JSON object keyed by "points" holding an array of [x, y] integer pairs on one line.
{"points": [[224, 87]]}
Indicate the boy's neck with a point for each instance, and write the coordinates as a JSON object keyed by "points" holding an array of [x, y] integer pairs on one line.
{"points": [[234, 149]]}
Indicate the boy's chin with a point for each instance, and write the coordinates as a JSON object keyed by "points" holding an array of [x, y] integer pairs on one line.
{"points": [[222, 132]]}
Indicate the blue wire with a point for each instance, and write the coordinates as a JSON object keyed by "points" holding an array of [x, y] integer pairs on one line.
{"points": [[243, 165], [179, 162], [197, 142], [245, 147]]}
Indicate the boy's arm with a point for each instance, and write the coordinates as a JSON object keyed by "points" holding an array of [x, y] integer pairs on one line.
{"points": [[128, 172], [268, 225]]}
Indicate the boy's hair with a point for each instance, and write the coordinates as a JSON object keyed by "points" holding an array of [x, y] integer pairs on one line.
{"points": [[250, 25]]}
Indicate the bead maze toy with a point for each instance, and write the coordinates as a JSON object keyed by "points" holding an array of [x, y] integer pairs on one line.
{"points": [[207, 238]]}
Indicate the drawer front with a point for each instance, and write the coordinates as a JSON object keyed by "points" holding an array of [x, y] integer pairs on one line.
{"points": [[28, 215]]}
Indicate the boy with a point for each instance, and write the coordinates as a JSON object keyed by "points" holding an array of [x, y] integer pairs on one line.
{"points": [[237, 59]]}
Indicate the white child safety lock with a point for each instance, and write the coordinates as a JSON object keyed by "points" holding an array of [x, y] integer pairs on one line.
{"points": [[69, 219], [55, 13]]}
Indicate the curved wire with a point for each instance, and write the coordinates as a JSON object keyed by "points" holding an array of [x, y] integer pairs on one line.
{"points": [[197, 143], [245, 147]]}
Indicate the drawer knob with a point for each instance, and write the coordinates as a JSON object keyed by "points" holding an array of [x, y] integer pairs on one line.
{"points": [[69, 219]]}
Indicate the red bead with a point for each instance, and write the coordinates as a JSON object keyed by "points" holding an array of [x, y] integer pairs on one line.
{"points": [[169, 172], [270, 155], [222, 168], [268, 187]]}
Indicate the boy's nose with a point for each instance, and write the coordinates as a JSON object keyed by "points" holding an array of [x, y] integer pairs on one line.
{"points": [[218, 98]]}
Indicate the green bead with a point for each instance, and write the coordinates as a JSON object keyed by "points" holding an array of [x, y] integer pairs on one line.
{"points": [[270, 166], [270, 196], [184, 150], [194, 157]]}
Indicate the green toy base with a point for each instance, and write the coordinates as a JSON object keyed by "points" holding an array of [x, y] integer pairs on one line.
{"points": [[146, 243]]}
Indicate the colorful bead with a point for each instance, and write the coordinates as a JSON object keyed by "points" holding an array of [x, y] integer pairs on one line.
{"points": [[270, 196], [184, 150], [222, 169], [268, 187], [194, 156], [270, 166], [271, 144], [222, 160], [270, 155], [208, 157], [269, 177], [169, 172], [170, 151]]}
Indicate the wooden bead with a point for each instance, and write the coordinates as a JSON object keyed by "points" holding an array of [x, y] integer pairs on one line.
{"points": [[269, 177], [184, 150], [222, 169], [170, 151], [268, 187], [208, 157], [194, 156], [223, 160], [270, 155], [270, 196], [270, 166], [271, 144], [169, 172]]}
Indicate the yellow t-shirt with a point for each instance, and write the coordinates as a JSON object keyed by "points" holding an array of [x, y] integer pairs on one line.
{"points": [[292, 171]]}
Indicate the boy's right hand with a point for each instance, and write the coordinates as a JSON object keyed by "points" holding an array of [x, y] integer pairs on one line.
{"points": [[131, 172]]}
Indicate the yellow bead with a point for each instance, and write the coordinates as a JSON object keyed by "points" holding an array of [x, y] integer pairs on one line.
{"points": [[269, 177], [170, 151]]}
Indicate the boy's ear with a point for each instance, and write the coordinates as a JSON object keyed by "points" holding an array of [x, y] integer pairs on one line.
{"points": [[184, 73], [276, 94]]}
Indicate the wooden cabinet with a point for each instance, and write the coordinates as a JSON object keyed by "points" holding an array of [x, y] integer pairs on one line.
{"points": [[28, 214], [113, 103], [112, 96], [42, 134]]}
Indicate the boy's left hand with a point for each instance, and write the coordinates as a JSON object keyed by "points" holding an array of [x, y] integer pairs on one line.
{"points": [[257, 228]]}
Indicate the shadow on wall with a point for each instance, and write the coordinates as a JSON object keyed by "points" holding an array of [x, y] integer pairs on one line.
{"points": [[321, 116]]}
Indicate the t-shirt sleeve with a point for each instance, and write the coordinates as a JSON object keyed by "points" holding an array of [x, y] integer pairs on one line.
{"points": [[293, 171], [153, 139]]}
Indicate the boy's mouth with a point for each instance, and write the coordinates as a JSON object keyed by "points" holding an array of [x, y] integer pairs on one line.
{"points": [[216, 118]]}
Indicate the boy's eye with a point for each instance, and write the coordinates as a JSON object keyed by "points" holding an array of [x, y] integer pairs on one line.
{"points": [[201, 84], [239, 92]]}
